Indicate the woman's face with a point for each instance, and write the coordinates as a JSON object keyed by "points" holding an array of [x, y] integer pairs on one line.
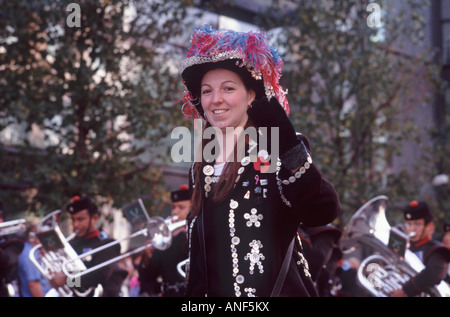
{"points": [[225, 98]]}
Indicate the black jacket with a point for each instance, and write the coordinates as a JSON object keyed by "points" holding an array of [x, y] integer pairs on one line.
{"points": [[221, 265], [163, 263], [435, 256], [110, 276]]}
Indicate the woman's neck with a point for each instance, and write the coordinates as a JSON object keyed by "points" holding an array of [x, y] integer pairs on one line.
{"points": [[227, 146]]}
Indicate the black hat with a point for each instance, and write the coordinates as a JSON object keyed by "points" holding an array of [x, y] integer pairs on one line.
{"points": [[249, 54], [180, 194], [79, 204], [418, 210]]}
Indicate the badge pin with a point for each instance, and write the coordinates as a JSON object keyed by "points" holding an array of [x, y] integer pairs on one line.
{"points": [[208, 170], [245, 161], [233, 204], [264, 154]]}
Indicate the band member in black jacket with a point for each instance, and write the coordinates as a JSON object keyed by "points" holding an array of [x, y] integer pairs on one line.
{"points": [[251, 189], [322, 251], [434, 255], [84, 213], [158, 272]]}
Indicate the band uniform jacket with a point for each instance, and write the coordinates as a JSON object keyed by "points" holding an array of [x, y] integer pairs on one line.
{"points": [[163, 264], [435, 256], [237, 246], [322, 251], [110, 276]]}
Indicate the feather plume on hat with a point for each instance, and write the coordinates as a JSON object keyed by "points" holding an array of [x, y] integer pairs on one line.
{"points": [[250, 50]]}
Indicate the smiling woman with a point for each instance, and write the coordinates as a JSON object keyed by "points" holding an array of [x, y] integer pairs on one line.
{"points": [[243, 222], [225, 99]]}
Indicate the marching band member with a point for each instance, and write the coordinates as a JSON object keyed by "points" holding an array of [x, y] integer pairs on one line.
{"points": [[84, 214], [434, 255], [31, 282], [446, 242], [446, 237], [243, 221], [322, 251], [158, 274]]}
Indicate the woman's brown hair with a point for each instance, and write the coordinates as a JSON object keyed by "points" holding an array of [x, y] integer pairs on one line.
{"points": [[222, 189]]}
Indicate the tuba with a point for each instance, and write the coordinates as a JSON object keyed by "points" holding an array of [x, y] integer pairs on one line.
{"points": [[385, 261], [53, 252]]}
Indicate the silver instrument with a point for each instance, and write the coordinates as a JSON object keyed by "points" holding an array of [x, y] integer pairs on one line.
{"points": [[57, 255], [150, 232], [53, 251], [385, 259], [12, 227], [181, 267]]}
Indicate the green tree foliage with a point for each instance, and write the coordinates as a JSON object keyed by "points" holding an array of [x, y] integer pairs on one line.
{"points": [[352, 87], [98, 85], [103, 93]]}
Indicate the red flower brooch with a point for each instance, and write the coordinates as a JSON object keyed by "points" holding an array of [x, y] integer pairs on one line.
{"points": [[262, 163]]}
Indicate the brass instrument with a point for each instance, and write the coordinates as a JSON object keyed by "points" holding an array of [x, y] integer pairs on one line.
{"points": [[390, 263], [53, 252], [152, 232], [12, 227], [57, 255], [180, 266]]}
